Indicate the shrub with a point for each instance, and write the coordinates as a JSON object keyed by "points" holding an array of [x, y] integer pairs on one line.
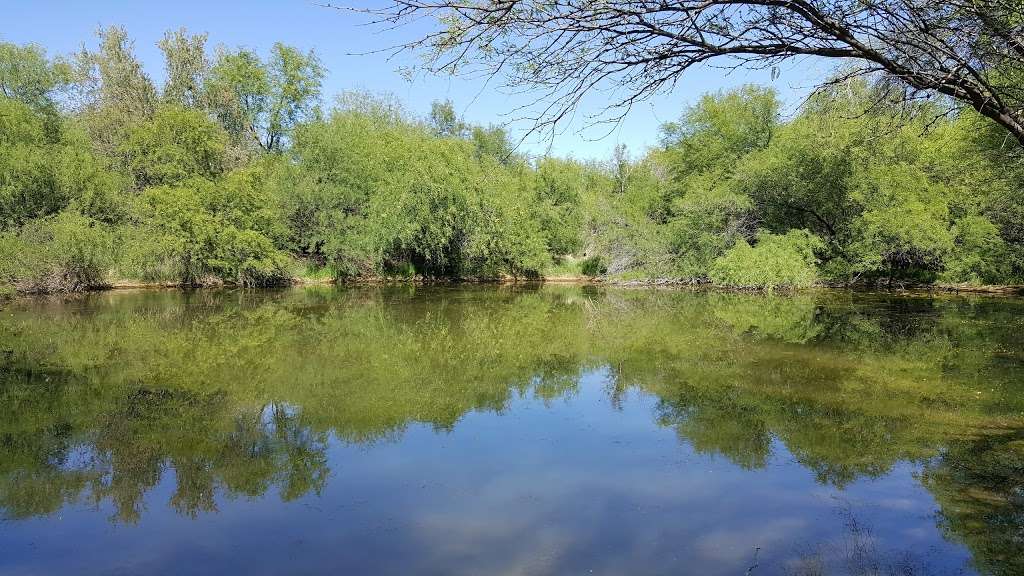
{"points": [[204, 230], [62, 253], [624, 236], [248, 258], [46, 169], [707, 220], [376, 193], [775, 262], [145, 253], [593, 266], [979, 254]]}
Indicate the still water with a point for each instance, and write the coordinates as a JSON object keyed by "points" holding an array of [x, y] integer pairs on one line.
{"points": [[511, 431]]}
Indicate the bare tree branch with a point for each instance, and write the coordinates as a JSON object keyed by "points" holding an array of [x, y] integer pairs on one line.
{"points": [[971, 51]]}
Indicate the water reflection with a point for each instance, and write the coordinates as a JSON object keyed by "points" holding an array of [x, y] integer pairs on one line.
{"points": [[133, 405], [118, 448]]}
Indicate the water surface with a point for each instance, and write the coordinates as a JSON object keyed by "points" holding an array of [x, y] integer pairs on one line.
{"points": [[502, 430]]}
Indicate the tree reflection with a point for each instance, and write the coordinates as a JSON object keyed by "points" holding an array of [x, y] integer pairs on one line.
{"points": [[238, 394], [979, 484], [118, 447]]}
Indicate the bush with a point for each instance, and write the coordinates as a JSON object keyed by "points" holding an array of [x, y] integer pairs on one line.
{"points": [[204, 230], [627, 240], [62, 253], [707, 220], [593, 266], [248, 258], [979, 254], [46, 169], [775, 262], [374, 193], [145, 254]]}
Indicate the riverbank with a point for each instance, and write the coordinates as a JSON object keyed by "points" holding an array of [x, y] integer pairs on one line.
{"points": [[993, 290]]}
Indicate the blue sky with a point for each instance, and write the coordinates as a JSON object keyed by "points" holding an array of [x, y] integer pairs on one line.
{"points": [[339, 39]]}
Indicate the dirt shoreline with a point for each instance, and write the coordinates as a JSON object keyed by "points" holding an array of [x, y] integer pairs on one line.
{"points": [[994, 290]]}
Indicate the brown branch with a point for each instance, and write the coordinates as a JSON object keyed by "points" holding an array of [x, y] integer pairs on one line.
{"points": [[971, 51]]}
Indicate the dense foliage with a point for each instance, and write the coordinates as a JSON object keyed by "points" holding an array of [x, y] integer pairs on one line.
{"points": [[233, 171]]}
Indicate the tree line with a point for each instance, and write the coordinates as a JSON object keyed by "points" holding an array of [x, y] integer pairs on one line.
{"points": [[235, 170]]}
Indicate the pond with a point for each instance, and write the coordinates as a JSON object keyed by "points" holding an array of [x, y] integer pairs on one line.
{"points": [[511, 430]]}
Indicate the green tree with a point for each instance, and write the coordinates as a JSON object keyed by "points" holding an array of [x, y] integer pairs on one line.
{"points": [[904, 228], [373, 192], [28, 76], [704, 223], [117, 91], [560, 188], [445, 121], [186, 66], [706, 213], [263, 102], [493, 141], [65, 252], [721, 128], [175, 144]]}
